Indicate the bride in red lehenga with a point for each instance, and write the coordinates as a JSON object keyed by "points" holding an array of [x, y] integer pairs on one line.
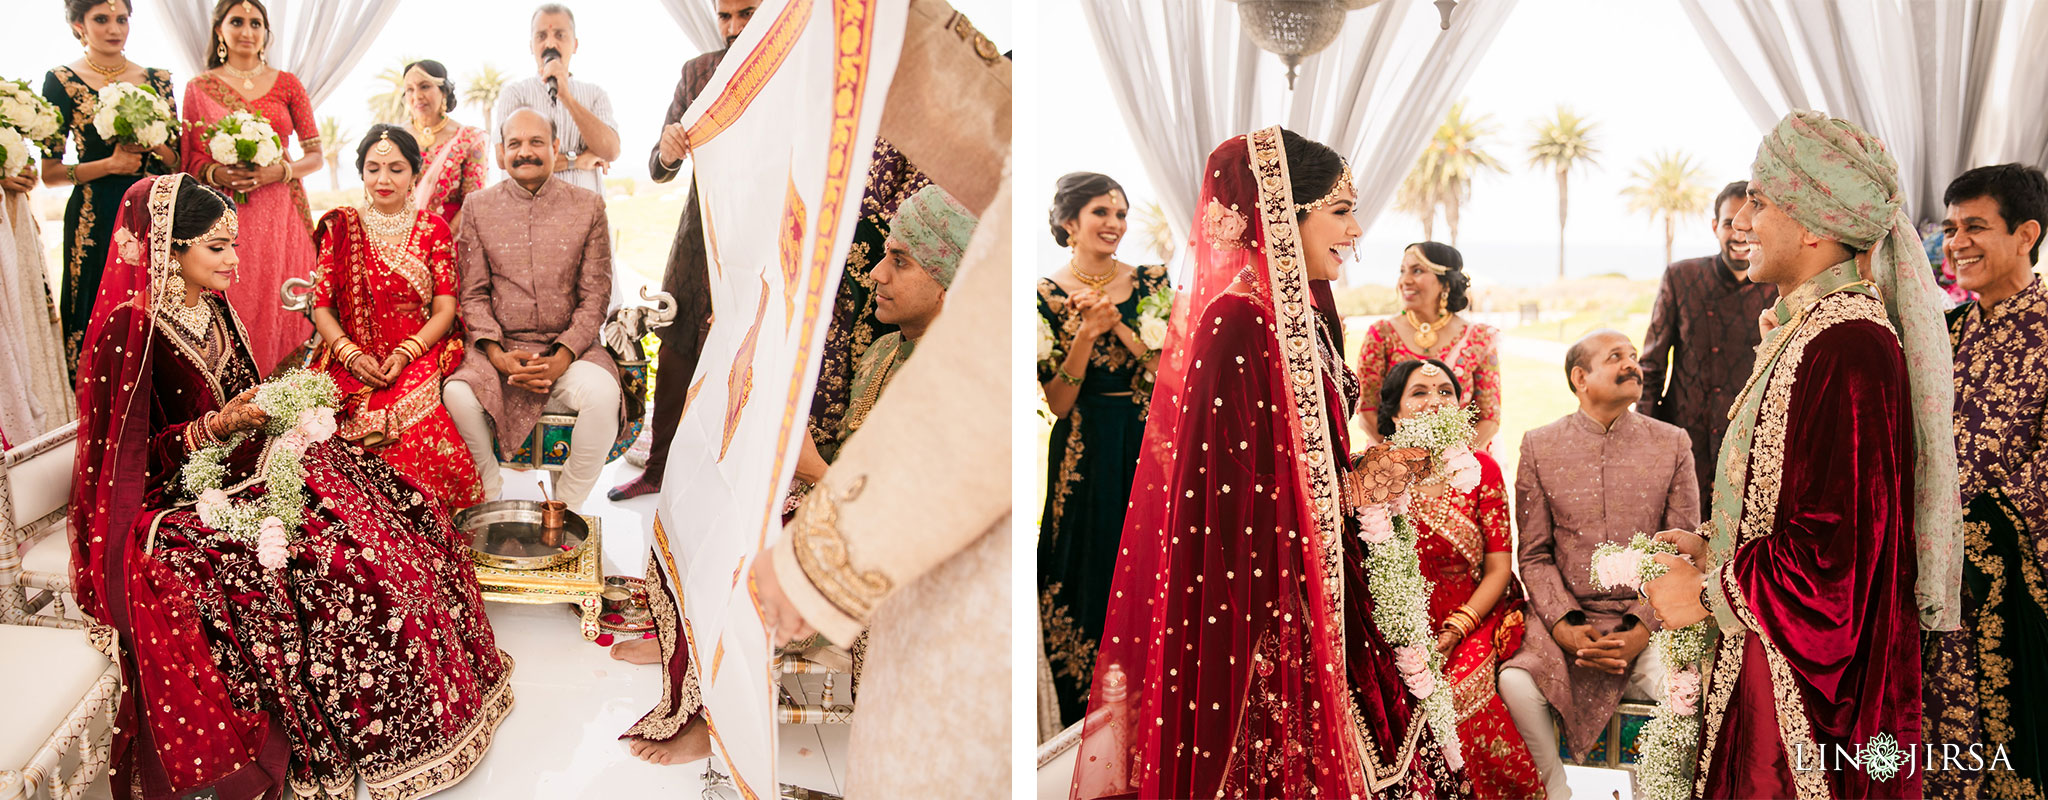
{"points": [[354, 647], [1239, 656]]}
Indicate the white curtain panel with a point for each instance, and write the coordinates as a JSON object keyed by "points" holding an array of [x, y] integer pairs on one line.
{"points": [[190, 26], [1187, 77], [2026, 134], [317, 40], [1913, 72], [698, 23]]}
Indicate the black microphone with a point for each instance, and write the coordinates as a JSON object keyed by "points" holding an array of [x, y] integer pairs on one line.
{"points": [[549, 56]]}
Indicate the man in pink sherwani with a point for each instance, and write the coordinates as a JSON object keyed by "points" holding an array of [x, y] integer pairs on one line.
{"points": [[536, 265]]}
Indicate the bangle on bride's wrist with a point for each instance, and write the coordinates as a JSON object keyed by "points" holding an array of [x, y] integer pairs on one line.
{"points": [[1070, 379], [287, 172]]}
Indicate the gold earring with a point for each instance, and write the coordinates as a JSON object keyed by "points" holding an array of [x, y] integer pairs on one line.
{"points": [[221, 52], [1443, 304]]}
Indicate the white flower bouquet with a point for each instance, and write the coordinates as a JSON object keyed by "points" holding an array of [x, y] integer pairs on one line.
{"points": [[1048, 344], [1394, 566], [301, 405], [14, 152], [243, 139], [25, 119], [130, 114], [1669, 740], [1153, 312]]}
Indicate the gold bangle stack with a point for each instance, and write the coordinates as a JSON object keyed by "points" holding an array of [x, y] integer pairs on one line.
{"points": [[412, 348], [348, 351], [1462, 621]]}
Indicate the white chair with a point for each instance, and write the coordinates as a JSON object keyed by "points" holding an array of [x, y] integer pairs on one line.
{"points": [[68, 715], [1056, 759], [35, 495]]}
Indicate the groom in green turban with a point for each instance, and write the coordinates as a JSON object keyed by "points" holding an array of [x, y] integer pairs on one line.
{"points": [[927, 238], [1833, 535]]}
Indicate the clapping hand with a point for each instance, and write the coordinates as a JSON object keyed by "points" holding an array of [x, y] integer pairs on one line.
{"points": [[1098, 315]]}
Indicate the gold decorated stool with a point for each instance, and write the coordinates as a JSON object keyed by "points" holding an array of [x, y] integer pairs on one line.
{"points": [[520, 559]]}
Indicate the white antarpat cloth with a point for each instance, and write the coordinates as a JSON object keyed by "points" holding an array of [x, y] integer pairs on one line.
{"points": [[782, 136]]}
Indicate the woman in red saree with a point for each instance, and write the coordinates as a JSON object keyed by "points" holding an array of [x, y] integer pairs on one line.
{"points": [[452, 153], [1239, 657], [358, 650], [1466, 550], [385, 308], [277, 223]]}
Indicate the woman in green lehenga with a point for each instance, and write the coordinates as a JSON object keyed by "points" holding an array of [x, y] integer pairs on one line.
{"points": [[102, 171]]}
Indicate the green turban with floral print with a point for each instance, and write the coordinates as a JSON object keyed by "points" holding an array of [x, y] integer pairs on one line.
{"points": [[934, 228], [1839, 182]]}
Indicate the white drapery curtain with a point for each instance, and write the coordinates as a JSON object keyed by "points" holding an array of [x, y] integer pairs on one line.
{"points": [[1186, 78], [1914, 73], [318, 41], [697, 22]]}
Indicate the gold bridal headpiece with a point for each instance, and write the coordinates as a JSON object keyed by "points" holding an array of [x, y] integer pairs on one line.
{"points": [[228, 227], [1344, 181], [384, 145], [1432, 266], [1429, 370]]}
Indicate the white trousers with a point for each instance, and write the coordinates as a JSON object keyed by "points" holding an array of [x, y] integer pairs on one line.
{"points": [[1531, 712], [587, 390]]}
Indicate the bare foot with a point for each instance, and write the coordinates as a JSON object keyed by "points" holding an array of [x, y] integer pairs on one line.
{"points": [[692, 743], [637, 651]]}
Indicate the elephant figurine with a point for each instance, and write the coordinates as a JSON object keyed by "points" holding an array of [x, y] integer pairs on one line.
{"points": [[628, 324]]}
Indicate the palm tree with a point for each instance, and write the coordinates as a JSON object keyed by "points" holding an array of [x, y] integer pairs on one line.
{"points": [[1562, 142], [1443, 175], [333, 138], [1151, 219], [388, 106], [1670, 185], [482, 88], [1414, 197]]}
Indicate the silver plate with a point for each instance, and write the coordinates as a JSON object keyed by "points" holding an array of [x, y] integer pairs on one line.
{"points": [[507, 534]]}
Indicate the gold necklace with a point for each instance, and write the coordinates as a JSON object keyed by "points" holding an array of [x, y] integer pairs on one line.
{"points": [[107, 74], [1099, 283], [428, 135], [389, 226], [248, 78], [1425, 332], [193, 319]]}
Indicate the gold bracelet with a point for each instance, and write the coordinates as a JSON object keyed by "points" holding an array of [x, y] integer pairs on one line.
{"points": [[412, 348], [1071, 380], [287, 172], [71, 171]]}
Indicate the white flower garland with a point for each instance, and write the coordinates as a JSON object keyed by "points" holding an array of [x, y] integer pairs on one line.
{"points": [[1394, 568], [301, 405], [1670, 740]]}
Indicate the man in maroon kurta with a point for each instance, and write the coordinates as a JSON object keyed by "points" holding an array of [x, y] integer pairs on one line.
{"points": [[1821, 536]]}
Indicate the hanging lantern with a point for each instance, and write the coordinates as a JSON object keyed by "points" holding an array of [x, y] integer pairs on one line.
{"points": [[1443, 9], [1295, 29]]}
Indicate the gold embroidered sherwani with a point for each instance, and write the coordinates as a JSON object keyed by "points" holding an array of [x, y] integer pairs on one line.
{"points": [[1983, 682]]}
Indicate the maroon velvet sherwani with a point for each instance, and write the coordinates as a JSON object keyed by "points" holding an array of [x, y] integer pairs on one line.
{"points": [[1820, 636], [536, 271]]}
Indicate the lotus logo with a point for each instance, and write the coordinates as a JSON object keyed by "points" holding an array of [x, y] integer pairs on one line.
{"points": [[1881, 757]]}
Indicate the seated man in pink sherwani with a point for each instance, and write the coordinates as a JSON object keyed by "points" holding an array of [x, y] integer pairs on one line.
{"points": [[1600, 474], [536, 266]]}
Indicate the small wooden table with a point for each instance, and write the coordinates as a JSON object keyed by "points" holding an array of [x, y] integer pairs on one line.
{"points": [[580, 582]]}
